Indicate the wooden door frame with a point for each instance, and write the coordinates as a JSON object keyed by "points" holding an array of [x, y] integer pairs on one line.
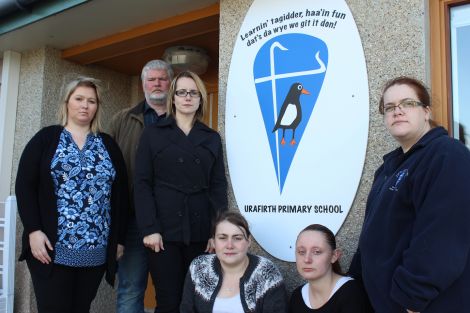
{"points": [[440, 54]]}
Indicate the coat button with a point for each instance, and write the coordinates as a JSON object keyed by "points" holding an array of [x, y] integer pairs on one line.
{"points": [[180, 160], [180, 214], [197, 161]]}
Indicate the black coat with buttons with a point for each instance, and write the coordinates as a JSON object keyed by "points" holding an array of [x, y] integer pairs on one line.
{"points": [[179, 182]]}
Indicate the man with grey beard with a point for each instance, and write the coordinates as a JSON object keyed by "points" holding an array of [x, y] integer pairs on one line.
{"points": [[126, 128]]}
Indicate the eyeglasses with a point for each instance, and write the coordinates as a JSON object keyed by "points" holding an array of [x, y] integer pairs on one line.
{"points": [[191, 93], [404, 106]]}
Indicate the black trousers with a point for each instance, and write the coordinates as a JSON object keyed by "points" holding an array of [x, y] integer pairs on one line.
{"points": [[168, 270], [67, 289]]}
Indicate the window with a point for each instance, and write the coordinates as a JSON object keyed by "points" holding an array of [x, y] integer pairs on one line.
{"points": [[460, 69], [450, 70]]}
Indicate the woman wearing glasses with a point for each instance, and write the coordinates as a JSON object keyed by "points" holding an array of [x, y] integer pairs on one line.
{"points": [[180, 186], [414, 250]]}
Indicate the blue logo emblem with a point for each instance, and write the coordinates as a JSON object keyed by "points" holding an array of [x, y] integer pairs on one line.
{"points": [[288, 72], [401, 175]]}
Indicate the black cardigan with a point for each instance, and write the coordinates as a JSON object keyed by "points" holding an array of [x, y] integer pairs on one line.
{"points": [[37, 202], [262, 288]]}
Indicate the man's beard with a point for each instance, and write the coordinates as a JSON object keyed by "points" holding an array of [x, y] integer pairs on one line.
{"points": [[159, 97]]}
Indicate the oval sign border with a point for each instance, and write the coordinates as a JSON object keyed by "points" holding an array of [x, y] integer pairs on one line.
{"points": [[314, 177]]}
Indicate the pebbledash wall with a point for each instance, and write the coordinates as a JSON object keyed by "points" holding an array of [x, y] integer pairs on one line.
{"points": [[395, 40]]}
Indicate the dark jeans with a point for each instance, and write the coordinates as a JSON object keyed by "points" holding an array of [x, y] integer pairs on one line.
{"points": [[132, 273], [168, 269], [67, 289]]}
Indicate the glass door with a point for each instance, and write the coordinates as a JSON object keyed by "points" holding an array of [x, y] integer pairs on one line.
{"points": [[460, 67]]}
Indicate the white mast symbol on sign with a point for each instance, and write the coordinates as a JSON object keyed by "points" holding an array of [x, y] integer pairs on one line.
{"points": [[272, 77]]}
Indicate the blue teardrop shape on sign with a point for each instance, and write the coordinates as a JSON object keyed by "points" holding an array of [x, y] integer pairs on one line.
{"points": [[288, 73]]}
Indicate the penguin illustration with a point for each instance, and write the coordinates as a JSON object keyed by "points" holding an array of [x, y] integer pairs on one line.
{"points": [[291, 112]]}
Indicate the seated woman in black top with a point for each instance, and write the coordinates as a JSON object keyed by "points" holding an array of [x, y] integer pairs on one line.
{"points": [[327, 290], [233, 280]]}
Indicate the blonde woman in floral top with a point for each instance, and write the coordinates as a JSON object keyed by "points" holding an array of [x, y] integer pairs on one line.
{"points": [[72, 198]]}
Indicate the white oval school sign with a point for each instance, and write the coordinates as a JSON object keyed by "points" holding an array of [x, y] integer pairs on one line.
{"points": [[296, 119]]}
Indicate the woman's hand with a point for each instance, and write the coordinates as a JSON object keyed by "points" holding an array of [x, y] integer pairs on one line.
{"points": [[39, 244], [154, 242], [119, 252], [210, 246], [409, 311]]}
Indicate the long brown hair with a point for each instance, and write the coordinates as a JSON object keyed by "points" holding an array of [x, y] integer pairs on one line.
{"points": [[170, 105]]}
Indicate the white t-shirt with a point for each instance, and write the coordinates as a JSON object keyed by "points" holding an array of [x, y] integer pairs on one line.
{"points": [[228, 305], [339, 283]]}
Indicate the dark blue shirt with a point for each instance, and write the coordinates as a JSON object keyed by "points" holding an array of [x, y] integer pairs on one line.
{"points": [[150, 115]]}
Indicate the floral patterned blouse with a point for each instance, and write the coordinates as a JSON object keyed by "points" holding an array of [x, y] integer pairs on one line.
{"points": [[82, 180]]}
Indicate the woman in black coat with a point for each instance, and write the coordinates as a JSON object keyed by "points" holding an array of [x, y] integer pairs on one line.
{"points": [[180, 185], [72, 199]]}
